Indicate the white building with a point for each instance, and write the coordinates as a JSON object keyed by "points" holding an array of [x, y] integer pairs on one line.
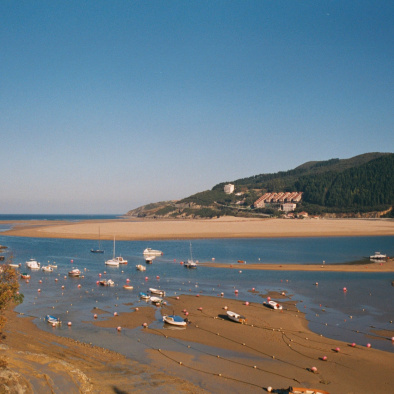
{"points": [[229, 188], [288, 207]]}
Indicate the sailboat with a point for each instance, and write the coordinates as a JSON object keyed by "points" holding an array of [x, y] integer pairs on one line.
{"points": [[190, 263], [114, 262], [99, 250]]}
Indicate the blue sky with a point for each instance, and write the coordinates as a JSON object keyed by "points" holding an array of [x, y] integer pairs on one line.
{"points": [[109, 105]]}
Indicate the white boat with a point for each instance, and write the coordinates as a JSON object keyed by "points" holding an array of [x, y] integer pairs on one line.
{"points": [[190, 262], [128, 287], [157, 291], [144, 296], [33, 264], [54, 265], [113, 262], [52, 320], [47, 268], [121, 260], [156, 300], [14, 265], [152, 252], [140, 267], [236, 317], [74, 272], [378, 256], [174, 320], [273, 304], [149, 259]]}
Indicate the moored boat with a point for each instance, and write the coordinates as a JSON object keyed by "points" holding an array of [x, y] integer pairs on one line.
{"points": [[52, 320], [152, 252], [128, 287], [74, 272], [140, 267], [121, 260], [149, 259], [33, 264], [236, 317], [107, 282], [25, 275], [175, 320], [47, 268]]}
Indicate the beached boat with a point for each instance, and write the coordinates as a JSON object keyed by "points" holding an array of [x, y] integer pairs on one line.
{"points": [[47, 268], [152, 252], [236, 317], [378, 256], [74, 272], [272, 304], [157, 291], [140, 267], [106, 282], [52, 320], [144, 296], [25, 275], [99, 250], [149, 259], [33, 264], [156, 300], [175, 320], [128, 287], [304, 390]]}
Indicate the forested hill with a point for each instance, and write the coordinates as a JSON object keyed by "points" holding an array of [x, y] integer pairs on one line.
{"points": [[363, 183]]}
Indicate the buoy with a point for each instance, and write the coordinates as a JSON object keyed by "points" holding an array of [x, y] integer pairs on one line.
{"points": [[174, 260], [146, 278], [137, 309], [200, 308], [187, 313], [79, 286], [197, 295], [236, 291], [225, 308], [69, 323], [53, 324], [177, 298], [222, 294], [369, 345], [62, 286], [240, 272], [72, 261], [95, 316], [119, 328], [337, 349], [268, 298], [253, 288], [324, 358], [127, 280], [157, 277], [40, 281], [345, 289], [55, 279], [115, 313], [145, 325], [39, 290], [314, 369], [392, 338], [100, 274], [353, 344], [269, 389], [246, 303]]}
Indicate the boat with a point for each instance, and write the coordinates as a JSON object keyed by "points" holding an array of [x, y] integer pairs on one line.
{"points": [[74, 272], [99, 250], [140, 267], [106, 282], [14, 265], [144, 296], [128, 287], [47, 268], [304, 390], [25, 275], [52, 320], [156, 300], [152, 252], [157, 291], [149, 259], [33, 264], [272, 304], [378, 256], [241, 261], [175, 320], [190, 262], [121, 260], [236, 317], [54, 265], [113, 262]]}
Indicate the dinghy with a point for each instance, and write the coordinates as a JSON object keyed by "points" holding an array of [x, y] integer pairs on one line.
{"points": [[174, 320], [236, 317]]}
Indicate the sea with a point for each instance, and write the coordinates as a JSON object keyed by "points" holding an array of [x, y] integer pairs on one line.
{"points": [[362, 314]]}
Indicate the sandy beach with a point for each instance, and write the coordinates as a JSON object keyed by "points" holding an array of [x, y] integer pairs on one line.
{"points": [[274, 348], [224, 227]]}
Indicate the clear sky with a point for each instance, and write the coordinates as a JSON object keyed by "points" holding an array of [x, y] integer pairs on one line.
{"points": [[109, 105]]}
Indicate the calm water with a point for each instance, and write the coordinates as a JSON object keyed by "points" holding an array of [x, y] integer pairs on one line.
{"points": [[369, 299]]}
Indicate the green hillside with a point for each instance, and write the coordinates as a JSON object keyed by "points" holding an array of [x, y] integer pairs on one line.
{"points": [[358, 185]]}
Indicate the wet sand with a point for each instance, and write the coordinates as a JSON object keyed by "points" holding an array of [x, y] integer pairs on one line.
{"points": [[224, 227], [213, 354]]}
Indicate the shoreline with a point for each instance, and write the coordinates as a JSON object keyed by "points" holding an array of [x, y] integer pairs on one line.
{"points": [[224, 227], [213, 354]]}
